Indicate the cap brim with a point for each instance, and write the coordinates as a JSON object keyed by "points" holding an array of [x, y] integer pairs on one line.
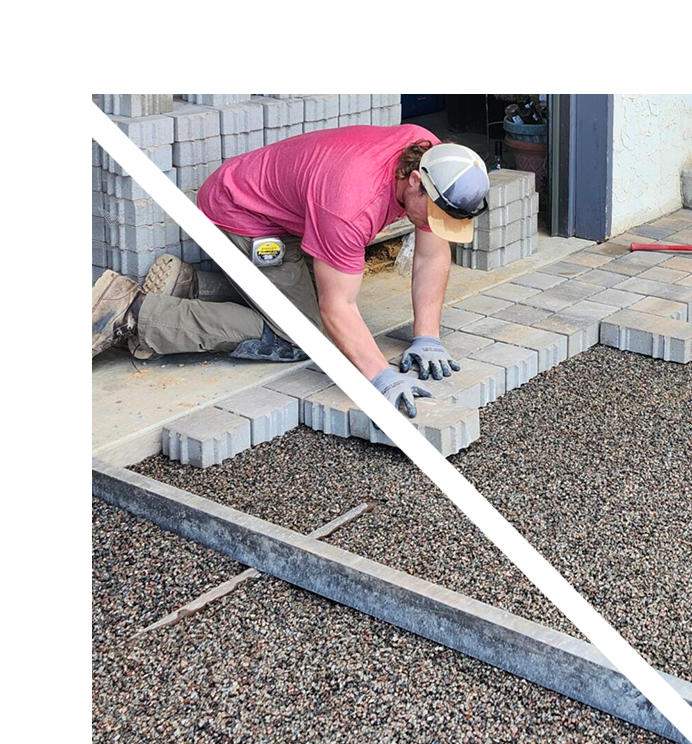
{"points": [[447, 227]]}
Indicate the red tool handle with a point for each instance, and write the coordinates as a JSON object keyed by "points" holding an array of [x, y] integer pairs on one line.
{"points": [[659, 247]]}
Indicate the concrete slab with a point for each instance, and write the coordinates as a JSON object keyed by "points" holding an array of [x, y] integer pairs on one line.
{"points": [[206, 437], [131, 402], [547, 657], [551, 347], [270, 414], [520, 364], [650, 335], [590, 310], [617, 298]]}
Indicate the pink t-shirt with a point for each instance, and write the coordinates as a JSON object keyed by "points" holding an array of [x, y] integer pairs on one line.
{"points": [[334, 188]]}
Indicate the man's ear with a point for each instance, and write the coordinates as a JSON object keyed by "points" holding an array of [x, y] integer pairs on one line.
{"points": [[414, 179]]}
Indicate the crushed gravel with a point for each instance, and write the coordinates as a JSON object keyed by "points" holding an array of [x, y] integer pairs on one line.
{"points": [[140, 573], [594, 467], [413, 527], [590, 461], [272, 663]]}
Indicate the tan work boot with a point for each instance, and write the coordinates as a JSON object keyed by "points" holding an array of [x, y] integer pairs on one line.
{"points": [[115, 301], [170, 276]]}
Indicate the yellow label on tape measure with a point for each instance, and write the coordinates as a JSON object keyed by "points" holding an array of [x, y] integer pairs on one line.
{"points": [[269, 250]]}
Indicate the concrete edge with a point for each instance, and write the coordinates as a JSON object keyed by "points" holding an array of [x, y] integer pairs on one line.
{"points": [[534, 652]]}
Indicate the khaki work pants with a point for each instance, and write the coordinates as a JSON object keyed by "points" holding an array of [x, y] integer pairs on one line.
{"points": [[171, 325]]}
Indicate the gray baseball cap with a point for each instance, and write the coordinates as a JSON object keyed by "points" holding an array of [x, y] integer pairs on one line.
{"points": [[456, 182]]}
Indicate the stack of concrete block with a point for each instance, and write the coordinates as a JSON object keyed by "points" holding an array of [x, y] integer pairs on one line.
{"points": [[129, 230], [354, 109], [508, 230], [242, 128], [386, 109], [134, 104], [321, 112], [283, 117], [215, 99], [188, 137]]}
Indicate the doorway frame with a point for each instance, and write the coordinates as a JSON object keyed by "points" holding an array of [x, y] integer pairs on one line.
{"points": [[580, 162]]}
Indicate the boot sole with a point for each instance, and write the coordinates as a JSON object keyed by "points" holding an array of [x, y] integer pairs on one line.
{"points": [[163, 275]]}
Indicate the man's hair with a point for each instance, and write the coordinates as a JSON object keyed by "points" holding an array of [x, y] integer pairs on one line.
{"points": [[409, 159]]}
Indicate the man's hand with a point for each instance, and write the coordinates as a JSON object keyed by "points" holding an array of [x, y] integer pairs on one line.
{"points": [[430, 356], [398, 388]]}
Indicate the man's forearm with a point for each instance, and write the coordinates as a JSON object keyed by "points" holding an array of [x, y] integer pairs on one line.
{"points": [[428, 286], [348, 331]]}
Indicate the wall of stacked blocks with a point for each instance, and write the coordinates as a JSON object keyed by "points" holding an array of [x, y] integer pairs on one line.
{"points": [[189, 136]]}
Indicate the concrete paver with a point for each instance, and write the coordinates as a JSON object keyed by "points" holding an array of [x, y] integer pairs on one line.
{"points": [[601, 277], [617, 297], [461, 344], [664, 308], [675, 292], [511, 292], [581, 333], [562, 296], [327, 411], [538, 280], [271, 414], [661, 274], [661, 338], [484, 304], [520, 364], [206, 437], [551, 347], [301, 385], [523, 314], [567, 269]]}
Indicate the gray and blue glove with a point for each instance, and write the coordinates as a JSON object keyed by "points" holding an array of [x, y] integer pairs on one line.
{"points": [[430, 356], [398, 388]]}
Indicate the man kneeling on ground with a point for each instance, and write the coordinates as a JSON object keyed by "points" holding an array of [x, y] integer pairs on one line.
{"points": [[303, 210]]}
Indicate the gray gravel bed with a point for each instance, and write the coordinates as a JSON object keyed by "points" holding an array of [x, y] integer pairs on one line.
{"points": [[272, 663], [594, 467], [286, 481], [591, 462], [140, 573], [413, 527]]}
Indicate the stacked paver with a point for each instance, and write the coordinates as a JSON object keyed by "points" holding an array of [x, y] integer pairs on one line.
{"points": [[508, 230], [188, 137]]}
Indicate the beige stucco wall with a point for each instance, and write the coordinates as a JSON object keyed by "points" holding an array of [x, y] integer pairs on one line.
{"points": [[652, 142]]}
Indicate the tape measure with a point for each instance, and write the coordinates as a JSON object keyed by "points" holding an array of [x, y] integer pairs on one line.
{"points": [[268, 251]]}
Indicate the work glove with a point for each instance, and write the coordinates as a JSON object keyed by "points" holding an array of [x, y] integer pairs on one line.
{"points": [[430, 356], [398, 388]]}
